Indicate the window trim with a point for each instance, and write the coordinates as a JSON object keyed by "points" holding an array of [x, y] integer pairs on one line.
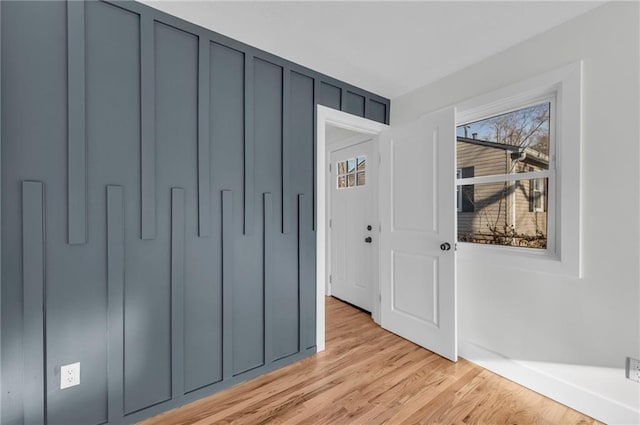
{"points": [[565, 195]]}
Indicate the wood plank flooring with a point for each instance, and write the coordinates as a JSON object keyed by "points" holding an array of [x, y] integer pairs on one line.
{"points": [[370, 376]]}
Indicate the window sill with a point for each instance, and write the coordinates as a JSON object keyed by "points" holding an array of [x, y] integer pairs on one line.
{"points": [[523, 259]]}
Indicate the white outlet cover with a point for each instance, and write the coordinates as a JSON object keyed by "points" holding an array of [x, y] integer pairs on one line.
{"points": [[69, 375], [633, 369]]}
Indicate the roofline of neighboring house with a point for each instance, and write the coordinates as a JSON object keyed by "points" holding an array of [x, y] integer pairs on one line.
{"points": [[532, 153], [489, 144]]}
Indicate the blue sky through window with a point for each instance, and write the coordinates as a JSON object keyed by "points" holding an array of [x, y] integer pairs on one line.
{"points": [[527, 127]]}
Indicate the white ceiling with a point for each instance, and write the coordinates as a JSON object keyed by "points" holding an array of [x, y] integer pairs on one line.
{"points": [[389, 48], [335, 134]]}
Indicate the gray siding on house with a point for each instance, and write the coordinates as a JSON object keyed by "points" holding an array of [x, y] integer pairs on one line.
{"points": [[486, 161], [493, 203], [157, 210], [528, 221]]}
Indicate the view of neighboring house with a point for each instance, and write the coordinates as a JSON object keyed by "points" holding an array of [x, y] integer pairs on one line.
{"points": [[505, 213]]}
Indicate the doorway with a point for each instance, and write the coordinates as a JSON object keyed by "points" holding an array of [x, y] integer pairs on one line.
{"points": [[339, 129], [414, 293], [353, 235]]}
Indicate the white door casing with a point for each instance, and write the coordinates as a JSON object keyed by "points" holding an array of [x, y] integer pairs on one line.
{"points": [[327, 116], [417, 205], [352, 220]]}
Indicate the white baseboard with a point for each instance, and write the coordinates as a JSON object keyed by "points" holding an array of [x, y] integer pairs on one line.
{"points": [[580, 399]]}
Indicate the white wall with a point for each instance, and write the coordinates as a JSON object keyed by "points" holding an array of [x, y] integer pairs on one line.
{"points": [[576, 332]]}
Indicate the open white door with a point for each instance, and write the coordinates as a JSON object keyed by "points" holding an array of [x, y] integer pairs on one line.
{"points": [[417, 212]]}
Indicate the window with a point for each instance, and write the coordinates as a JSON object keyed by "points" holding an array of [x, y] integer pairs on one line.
{"points": [[504, 164], [557, 194], [352, 172]]}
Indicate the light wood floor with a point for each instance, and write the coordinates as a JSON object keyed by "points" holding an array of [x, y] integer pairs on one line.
{"points": [[370, 376]]}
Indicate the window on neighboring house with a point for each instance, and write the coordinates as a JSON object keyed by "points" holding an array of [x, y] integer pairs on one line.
{"points": [[458, 191], [503, 171], [464, 194], [537, 195], [352, 172]]}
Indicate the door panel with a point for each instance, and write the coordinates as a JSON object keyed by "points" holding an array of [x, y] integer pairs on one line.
{"points": [[413, 295], [352, 211], [412, 162], [417, 206]]}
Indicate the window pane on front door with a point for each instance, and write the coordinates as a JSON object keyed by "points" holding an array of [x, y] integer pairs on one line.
{"points": [[352, 172]]}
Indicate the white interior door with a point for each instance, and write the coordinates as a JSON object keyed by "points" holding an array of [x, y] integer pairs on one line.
{"points": [[417, 212], [351, 225]]}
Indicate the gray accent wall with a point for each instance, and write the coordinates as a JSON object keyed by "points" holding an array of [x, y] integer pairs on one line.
{"points": [[158, 210]]}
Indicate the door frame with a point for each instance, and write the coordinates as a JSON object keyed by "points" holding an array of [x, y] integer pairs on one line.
{"points": [[347, 121]]}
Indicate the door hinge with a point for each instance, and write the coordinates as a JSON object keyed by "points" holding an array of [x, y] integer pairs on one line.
{"points": [[329, 278], [380, 298], [330, 223], [329, 167], [379, 159]]}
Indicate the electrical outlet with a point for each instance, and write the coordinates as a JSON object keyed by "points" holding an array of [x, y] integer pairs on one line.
{"points": [[69, 375], [633, 369]]}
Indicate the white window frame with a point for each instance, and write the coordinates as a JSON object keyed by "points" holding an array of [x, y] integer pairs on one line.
{"points": [[564, 247]]}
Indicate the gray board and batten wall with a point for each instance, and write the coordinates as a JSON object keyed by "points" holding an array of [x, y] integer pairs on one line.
{"points": [[158, 209]]}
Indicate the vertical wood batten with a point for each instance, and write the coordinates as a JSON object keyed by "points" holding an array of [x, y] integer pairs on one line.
{"points": [[286, 149], [365, 111], [248, 144], [147, 128], [115, 308], [306, 264], [227, 284], [302, 294], [204, 145], [76, 122], [316, 102], [387, 113], [268, 277], [33, 275], [178, 225], [1, 390]]}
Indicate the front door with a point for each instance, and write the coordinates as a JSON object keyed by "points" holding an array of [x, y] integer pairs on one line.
{"points": [[417, 245], [353, 236]]}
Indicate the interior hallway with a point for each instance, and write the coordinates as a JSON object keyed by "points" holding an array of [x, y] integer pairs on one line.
{"points": [[370, 376]]}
